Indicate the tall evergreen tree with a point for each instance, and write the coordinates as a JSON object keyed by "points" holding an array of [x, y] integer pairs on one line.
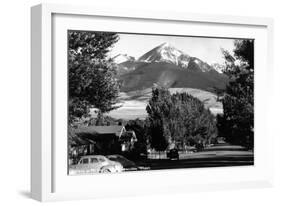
{"points": [[237, 122], [91, 77], [158, 109]]}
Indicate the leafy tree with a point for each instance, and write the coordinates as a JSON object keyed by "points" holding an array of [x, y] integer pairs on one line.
{"points": [[193, 120], [237, 122], [177, 118], [91, 78]]}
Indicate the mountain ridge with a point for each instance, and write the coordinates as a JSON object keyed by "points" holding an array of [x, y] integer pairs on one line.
{"points": [[168, 66]]}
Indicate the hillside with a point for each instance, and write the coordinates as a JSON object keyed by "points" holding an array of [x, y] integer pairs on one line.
{"points": [[171, 76]]}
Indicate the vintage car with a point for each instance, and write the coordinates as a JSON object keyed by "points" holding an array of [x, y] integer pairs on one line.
{"points": [[173, 154], [128, 165], [95, 164]]}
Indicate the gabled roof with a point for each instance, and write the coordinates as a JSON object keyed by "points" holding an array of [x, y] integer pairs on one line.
{"points": [[112, 129]]}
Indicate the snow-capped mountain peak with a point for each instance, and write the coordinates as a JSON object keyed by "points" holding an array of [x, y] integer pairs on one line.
{"points": [[166, 53], [120, 58], [165, 44]]}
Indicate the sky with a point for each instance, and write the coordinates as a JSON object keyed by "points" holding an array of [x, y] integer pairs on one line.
{"points": [[206, 49]]}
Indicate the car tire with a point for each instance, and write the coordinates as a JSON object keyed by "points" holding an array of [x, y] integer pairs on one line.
{"points": [[105, 170]]}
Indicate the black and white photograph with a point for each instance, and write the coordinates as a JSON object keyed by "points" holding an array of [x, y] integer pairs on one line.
{"points": [[139, 102]]}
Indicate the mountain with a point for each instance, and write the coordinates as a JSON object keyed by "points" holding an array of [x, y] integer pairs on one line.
{"points": [[128, 66], [218, 67], [166, 53], [120, 58], [167, 66], [125, 63], [171, 76]]}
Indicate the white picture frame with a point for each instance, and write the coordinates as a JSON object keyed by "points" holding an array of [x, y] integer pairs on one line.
{"points": [[49, 181]]}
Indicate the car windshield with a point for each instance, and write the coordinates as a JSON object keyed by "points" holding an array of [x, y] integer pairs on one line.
{"points": [[102, 159]]}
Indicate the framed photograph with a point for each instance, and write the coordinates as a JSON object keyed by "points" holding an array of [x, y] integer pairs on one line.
{"points": [[137, 102]]}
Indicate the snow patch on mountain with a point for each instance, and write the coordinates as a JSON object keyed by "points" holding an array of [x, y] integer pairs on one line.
{"points": [[196, 61], [218, 67], [166, 53], [120, 58]]}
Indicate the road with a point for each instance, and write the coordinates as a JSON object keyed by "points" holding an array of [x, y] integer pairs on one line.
{"points": [[217, 156]]}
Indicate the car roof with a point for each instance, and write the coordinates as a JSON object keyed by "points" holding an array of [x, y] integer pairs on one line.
{"points": [[115, 155], [87, 156]]}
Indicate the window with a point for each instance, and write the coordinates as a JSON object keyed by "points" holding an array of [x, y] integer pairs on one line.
{"points": [[85, 161], [94, 160], [101, 159]]}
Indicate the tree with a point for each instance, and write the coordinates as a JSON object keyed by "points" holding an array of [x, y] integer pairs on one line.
{"points": [[158, 109], [140, 129], [177, 118], [91, 78], [237, 122], [194, 121]]}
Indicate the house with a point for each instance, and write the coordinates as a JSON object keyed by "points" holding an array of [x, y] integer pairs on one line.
{"points": [[104, 140]]}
